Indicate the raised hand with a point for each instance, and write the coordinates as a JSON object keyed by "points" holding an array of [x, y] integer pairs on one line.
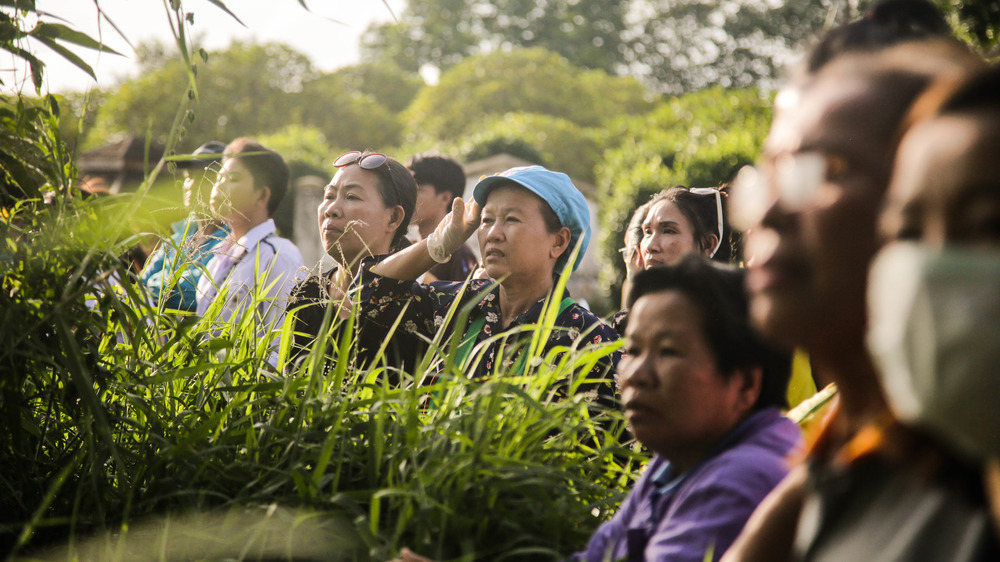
{"points": [[453, 230]]}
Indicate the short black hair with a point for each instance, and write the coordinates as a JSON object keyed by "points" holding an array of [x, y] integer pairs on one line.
{"points": [[266, 166], [440, 171], [717, 290]]}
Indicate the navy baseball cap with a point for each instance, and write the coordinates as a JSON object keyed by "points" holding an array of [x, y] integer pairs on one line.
{"points": [[204, 156], [556, 189]]}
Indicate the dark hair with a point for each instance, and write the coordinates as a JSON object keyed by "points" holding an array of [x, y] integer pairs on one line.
{"points": [[717, 290], [396, 186], [889, 22], [440, 171], [700, 210], [266, 166]]}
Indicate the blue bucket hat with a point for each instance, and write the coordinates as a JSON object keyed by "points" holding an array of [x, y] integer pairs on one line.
{"points": [[556, 189]]}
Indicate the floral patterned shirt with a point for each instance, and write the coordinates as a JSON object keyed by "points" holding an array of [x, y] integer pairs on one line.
{"points": [[427, 306]]}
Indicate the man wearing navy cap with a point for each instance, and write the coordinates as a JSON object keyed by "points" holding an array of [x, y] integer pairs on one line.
{"points": [[172, 272]]}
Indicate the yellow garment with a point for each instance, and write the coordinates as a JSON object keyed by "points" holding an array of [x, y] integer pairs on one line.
{"points": [[801, 385]]}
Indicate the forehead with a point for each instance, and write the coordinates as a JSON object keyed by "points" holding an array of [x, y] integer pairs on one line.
{"points": [[946, 159], [235, 165], [668, 312], [512, 196], [354, 176], [665, 211], [835, 113]]}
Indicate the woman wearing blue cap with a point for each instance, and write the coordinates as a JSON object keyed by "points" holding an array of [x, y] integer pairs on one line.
{"points": [[529, 220]]}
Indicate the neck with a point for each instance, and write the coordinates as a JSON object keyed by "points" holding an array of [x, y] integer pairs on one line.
{"points": [[516, 299], [243, 224], [861, 396]]}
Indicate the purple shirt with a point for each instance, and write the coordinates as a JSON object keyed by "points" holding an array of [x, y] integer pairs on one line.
{"points": [[674, 517]]}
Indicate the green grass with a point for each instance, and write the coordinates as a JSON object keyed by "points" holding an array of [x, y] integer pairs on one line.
{"points": [[129, 429]]}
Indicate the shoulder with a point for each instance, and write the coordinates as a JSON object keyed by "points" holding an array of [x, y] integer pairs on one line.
{"points": [[586, 322], [759, 460]]}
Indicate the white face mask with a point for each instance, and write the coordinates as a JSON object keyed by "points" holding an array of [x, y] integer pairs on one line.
{"points": [[934, 334]]}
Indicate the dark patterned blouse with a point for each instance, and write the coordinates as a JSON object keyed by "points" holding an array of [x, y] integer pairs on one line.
{"points": [[428, 306]]}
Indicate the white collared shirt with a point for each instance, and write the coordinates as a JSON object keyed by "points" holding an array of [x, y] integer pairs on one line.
{"points": [[259, 263]]}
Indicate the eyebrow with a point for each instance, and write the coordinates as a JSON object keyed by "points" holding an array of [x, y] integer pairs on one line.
{"points": [[661, 223]]}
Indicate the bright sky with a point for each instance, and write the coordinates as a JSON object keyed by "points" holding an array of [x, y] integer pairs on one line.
{"points": [[330, 44]]}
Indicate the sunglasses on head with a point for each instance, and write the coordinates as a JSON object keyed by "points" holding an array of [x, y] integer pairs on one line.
{"points": [[370, 161], [718, 210]]}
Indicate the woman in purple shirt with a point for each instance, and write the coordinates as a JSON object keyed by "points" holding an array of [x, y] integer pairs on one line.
{"points": [[703, 393]]}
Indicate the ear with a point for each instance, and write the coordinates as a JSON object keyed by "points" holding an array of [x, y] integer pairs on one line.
{"points": [[396, 216], [264, 195], [748, 383], [713, 240], [560, 243]]}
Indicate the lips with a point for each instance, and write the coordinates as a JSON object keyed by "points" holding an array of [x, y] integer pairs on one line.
{"points": [[492, 253]]}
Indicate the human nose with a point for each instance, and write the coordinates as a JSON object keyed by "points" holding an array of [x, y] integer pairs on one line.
{"points": [[493, 231], [636, 372]]}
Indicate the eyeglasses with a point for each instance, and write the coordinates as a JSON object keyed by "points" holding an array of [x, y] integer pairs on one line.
{"points": [[718, 210], [791, 179], [371, 161]]}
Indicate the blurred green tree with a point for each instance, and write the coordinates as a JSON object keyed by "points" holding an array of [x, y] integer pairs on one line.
{"points": [[590, 33], [255, 89], [523, 80]]}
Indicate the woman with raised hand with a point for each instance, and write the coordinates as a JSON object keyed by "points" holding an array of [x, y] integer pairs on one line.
{"points": [[365, 211], [528, 221]]}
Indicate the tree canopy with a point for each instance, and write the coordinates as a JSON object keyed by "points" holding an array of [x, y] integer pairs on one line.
{"points": [[254, 89], [522, 80]]}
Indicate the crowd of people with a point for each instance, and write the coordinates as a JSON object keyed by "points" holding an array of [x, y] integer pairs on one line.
{"points": [[870, 234]]}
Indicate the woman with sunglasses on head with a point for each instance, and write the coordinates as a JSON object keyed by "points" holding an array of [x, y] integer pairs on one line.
{"points": [[675, 222], [530, 222], [365, 211]]}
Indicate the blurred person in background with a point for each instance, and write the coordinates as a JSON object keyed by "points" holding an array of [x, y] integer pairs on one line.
{"points": [[173, 270], [673, 223], [811, 210], [252, 270], [934, 301], [440, 180]]}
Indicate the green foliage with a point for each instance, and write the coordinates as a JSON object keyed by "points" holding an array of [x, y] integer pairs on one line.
{"points": [[33, 155], [551, 141], [590, 33], [253, 90], [302, 145], [390, 86], [976, 21], [526, 81], [697, 140], [349, 119]]}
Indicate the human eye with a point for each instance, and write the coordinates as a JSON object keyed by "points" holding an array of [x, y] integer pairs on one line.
{"points": [[486, 219], [667, 351]]}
